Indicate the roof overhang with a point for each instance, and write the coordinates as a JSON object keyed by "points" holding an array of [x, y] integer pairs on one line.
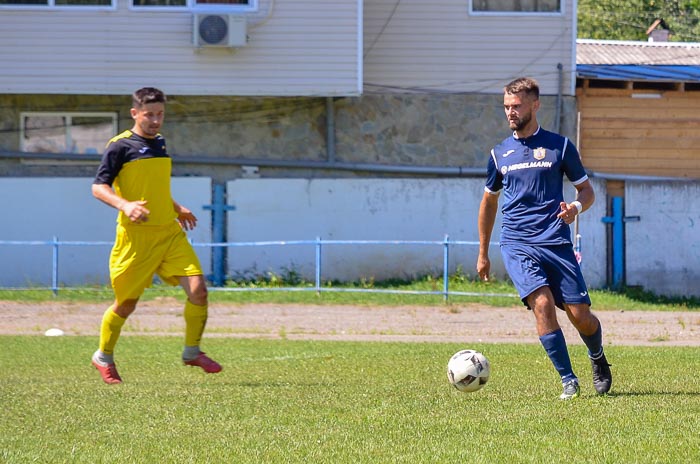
{"points": [[630, 72]]}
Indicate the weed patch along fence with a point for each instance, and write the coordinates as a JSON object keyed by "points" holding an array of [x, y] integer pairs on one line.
{"points": [[218, 276]]}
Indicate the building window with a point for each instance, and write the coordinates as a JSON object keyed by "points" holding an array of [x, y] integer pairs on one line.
{"points": [[222, 2], [229, 5], [58, 3], [86, 133], [515, 6], [161, 3]]}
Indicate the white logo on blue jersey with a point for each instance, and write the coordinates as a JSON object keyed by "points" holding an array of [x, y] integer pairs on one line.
{"points": [[529, 165]]}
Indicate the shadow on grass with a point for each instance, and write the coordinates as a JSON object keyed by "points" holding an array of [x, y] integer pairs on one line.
{"points": [[633, 394], [281, 384], [637, 293]]}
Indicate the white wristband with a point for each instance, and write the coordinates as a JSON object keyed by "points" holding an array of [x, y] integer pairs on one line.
{"points": [[577, 204]]}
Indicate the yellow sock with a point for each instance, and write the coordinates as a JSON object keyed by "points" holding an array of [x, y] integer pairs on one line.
{"points": [[109, 331], [195, 320]]}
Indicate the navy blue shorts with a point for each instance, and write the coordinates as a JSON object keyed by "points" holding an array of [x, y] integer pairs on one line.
{"points": [[533, 267]]}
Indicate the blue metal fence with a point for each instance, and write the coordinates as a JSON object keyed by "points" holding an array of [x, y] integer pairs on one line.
{"points": [[219, 277]]}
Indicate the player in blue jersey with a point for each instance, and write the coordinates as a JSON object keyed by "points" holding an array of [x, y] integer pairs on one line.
{"points": [[536, 245]]}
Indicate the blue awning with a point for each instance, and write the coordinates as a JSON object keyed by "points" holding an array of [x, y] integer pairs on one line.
{"points": [[635, 72]]}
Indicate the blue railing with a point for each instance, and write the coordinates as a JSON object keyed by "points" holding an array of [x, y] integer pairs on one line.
{"points": [[219, 273]]}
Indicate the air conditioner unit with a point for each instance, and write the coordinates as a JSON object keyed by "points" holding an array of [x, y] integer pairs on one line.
{"points": [[219, 30]]}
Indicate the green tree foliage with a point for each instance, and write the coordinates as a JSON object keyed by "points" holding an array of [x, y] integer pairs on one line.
{"points": [[630, 19]]}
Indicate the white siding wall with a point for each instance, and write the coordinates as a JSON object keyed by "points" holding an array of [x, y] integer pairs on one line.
{"points": [[304, 47], [438, 46]]}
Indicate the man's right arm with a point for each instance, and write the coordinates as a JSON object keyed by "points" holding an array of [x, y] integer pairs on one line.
{"points": [[136, 211], [105, 194], [487, 217]]}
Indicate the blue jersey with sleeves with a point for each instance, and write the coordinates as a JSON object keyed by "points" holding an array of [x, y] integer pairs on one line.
{"points": [[530, 172]]}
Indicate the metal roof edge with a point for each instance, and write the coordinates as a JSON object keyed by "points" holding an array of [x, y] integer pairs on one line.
{"points": [[637, 43]]}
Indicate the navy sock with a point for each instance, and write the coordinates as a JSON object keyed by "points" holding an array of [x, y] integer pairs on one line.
{"points": [[594, 343], [554, 344]]}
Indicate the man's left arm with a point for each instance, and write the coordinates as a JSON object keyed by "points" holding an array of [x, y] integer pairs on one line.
{"points": [[187, 220], [585, 196]]}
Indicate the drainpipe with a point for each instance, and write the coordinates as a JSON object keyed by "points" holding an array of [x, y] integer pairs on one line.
{"points": [[557, 114], [330, 130], [450, 171]]}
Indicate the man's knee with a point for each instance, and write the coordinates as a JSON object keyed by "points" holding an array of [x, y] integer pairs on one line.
{"points": [[542, 302], [199, 295], [583, 319], [125, 308], [197, 290]]}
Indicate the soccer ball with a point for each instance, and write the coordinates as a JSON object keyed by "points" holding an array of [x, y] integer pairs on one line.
{"points": [[468, 370]]}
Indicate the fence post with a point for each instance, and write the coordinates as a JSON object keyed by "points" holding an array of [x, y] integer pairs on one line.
{"points": [[318, 266], [54, 270], [218, 210], [446, 268]]}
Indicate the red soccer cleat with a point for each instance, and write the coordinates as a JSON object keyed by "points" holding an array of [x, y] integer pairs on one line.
{"points": [[108, 372], [205, 362]]}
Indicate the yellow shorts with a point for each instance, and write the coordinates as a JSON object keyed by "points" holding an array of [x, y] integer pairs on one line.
{"points": [[140, 252]]}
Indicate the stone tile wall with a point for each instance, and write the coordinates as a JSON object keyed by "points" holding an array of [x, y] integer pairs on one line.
{"points": [[417, 130]]}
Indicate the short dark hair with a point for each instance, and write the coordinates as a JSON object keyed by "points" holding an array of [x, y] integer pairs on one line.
{"points": [[523, 84], [147, 95]]}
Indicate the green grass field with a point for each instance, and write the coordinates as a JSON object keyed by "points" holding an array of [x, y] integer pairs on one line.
{"points": [[339, 402], [492, 293]]}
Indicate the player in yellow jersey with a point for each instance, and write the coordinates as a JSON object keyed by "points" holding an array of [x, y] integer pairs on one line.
{"points": [[134, 177]]}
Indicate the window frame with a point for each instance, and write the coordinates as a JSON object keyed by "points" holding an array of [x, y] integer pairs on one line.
{"points": [[51, 5], [191, 5], [473, 12], [69, 115]]}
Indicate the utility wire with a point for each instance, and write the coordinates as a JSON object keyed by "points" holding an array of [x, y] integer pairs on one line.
{"points": [[381, 31]]}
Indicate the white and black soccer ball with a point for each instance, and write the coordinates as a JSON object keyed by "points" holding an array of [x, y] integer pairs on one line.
{"points": [[468, 370]]}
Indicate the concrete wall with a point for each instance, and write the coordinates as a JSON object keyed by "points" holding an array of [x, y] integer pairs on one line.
{"points": [[268, 210], [354, 209], [662, 250], [593, 235], [41, 209], [377, 209]]}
